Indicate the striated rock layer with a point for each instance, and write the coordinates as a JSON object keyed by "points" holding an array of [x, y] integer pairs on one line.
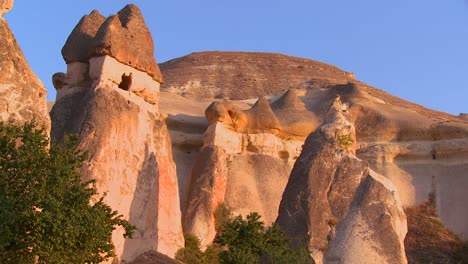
{"points": [[22, 94], [243, 75], [333, 202]]}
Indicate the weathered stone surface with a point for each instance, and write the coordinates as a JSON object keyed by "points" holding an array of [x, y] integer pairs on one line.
{"points": [[398, 139], [105, 70], [262, 118], [5, 6], [130, 158], [126, 38], [81, 39], [243, 75], [22, 94], [207, 191], [322, 187], [294, 117], [375, 227], [247, 172]]}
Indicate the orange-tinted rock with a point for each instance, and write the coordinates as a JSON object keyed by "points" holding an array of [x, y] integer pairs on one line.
{"points": [[126, 38], [22, 94], [81, 40], [262, 118], [5, 6], [243, 75], [333, 201]]}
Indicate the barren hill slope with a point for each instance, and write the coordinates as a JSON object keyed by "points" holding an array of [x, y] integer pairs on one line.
{"points": [[242, 75]]}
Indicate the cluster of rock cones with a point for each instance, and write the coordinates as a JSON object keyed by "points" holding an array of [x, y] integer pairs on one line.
{"points": [[301, 142]]}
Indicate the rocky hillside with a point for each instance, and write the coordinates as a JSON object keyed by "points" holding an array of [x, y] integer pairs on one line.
{"points": [[243, 75]]}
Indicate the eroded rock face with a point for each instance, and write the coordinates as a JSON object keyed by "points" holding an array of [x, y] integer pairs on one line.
{"points": [[22, 94], [246, 171], [324, 189], [129, 147], [126, 38], [130, 158], [243, 75], [5, 6]]}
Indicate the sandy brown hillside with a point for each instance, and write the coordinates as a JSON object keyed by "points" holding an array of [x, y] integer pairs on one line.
{"points": [[242, 75]]}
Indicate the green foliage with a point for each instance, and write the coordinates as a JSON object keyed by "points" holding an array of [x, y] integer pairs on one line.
{"points": [[45, 209], [344, 141], [222, 215], [248, 241], [192, 253]]}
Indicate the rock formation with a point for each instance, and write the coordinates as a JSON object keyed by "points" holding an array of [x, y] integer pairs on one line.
{"points": [[129, 147], [242, 163], [22, 94], [5, 6], [243, 75], [344, 211], [126, 38]]}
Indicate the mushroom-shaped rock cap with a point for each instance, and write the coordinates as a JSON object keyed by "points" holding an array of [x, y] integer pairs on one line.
{"points": [[126, 38], [294, 116], [5, 6], [262, 118], [81, 40]]}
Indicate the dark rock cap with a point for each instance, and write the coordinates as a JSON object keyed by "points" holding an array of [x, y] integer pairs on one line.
{"points": [[81, 40], [126, 38]]}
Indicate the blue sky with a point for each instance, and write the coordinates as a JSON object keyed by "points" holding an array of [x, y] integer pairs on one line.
{"points": [[415, 49]]}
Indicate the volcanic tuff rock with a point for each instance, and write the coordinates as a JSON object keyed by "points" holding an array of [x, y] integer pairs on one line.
{"points": [[22, 94], [344, 211], [126, 38], [5, 6], [82, 38], [245, 170], [129, 147], [243, 75]]}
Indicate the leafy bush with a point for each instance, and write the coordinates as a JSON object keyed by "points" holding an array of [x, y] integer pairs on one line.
{"points": [[248, 241], [45, 210], [344, 141]]}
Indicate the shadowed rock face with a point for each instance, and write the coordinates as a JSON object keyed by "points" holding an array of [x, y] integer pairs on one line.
{"points": [[22, 94], [126, 38], [243, 75], [81, 40], [323, 206]]}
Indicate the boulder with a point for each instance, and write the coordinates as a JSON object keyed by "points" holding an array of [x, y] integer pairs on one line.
{"points": [[81, 39], [22, 94], [323, 192], [126, 38]]}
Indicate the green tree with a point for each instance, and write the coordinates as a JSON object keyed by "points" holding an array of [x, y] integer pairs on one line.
{"points": [[247, 241], [192, 254], [46, 213]]}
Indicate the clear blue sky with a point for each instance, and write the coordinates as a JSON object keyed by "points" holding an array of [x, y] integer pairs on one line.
{"points": [[413, 49]]}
